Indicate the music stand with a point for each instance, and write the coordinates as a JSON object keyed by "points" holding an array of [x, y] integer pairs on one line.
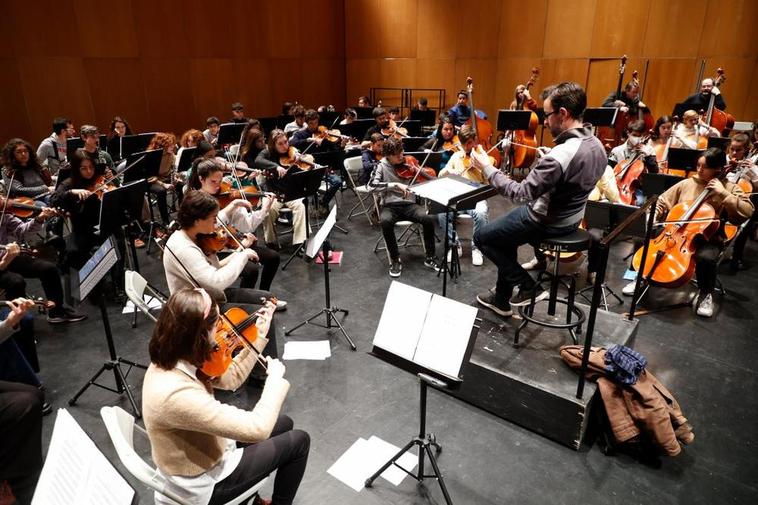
{"points": [[434, 158], [657, 184], [142, 165], [230, 133], [509, 120], [413, 127], [435, 339], [321, 240], [297, 185], [358, 128], [83, 282], [449, 195], [683, 159], [414, 143], [364, 112], [599, 117], [720, 142], [131, 144], [426, 117], [118, 208], [184, 158], [607, 216]]}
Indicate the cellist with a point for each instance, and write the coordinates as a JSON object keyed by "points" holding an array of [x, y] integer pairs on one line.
{"points": [[633, 146], [724, 197]]}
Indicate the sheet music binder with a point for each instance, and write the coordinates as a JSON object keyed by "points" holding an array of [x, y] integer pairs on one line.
{"points": [[462, 197]]}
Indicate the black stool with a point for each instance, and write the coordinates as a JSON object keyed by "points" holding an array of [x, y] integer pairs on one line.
{"points": [[575, 241]]}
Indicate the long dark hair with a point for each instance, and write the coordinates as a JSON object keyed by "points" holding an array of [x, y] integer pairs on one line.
{"points": [[655, 135], [9, 156], [196, 205], [79, 182], [182, 330], [203, 169]]}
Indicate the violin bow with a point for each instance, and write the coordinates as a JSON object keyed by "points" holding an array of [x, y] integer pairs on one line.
{"points": [[163, 244], [229, 232], [413, 181]]}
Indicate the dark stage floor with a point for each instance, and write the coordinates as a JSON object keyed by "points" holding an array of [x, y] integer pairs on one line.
{"points": [[708, 364]]}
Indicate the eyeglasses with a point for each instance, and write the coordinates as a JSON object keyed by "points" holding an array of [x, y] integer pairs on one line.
{"points": [[547, 115]]}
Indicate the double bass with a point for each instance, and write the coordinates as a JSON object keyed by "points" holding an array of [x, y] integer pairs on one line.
{"points": [[522, 155], [715, 117], [643, 115], [611, 137], [481, 126]]}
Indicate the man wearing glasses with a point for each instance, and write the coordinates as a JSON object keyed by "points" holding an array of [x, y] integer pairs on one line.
{"points": [[556, 190], [52, 150]]}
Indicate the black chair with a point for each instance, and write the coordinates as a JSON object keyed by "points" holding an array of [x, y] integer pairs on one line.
{"points": [[576, 241]]}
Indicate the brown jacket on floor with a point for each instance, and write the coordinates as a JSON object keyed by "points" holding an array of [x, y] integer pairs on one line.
{"points": [[646, 408]]}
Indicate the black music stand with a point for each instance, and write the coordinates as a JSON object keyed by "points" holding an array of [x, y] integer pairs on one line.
{"points": [[364, 112], [321, 240], [425, 117], [131, 144], [185, 157], [599, 117], [414, 143], [143, 166], [230, 133], [269, 124], [509, 120], [449, 195], [607, 216], [423, 355], [358, 128], [720, 142], [657, 184], [89, 280], [297, 185], [683, 159]]}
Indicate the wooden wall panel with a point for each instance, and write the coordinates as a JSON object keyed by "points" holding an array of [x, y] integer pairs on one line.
{"points": [[160, 31], [361, 74], [728, 23], [484, 73], [323, 30], [566, 69], [603, 77], [751, 104], [480, 42], [317, 87], [669, 82], [285, 79], [15, 121], [44, 30], [212, 86], [55, 87], [117, 89], [736, 88], [434, 37], [364, 29], [169, 94], [619, 28], [398, 24], [253, 89], [673, 28], [568, 30], [522, 30], [204, 39], [510, 73], [107, 32]]}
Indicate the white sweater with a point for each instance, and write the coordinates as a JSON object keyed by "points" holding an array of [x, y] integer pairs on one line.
{"points": [[211, 274]]}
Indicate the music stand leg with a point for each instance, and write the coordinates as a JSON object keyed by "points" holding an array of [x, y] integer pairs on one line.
{"points": [[425, 442], [299, 250]]}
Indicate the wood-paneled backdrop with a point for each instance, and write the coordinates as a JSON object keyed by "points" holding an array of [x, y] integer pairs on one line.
{"points": [[167, 65]]}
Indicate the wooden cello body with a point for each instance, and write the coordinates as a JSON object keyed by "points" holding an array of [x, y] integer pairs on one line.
{"points": [[523, 156], [481, 126]]}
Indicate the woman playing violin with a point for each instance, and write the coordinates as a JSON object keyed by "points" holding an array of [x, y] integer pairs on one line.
{"points": [[241, 216], [460, 164], [22, 173], [210, 451], [399, 205], [445, 140], [269, 161]]}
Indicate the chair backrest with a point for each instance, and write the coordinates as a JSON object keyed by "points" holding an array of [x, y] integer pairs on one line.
{"points": [[134, 285], [353, 165], [120, 426]]}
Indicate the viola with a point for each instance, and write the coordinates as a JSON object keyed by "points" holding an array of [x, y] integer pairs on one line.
{"points": [[100, 186], [333, 136], [410, 169], [293, 158], [234, 330], [481, 126], [452, 145], [395, 130], [20, 206], [227, 195], [523, 156], [670, 256]]}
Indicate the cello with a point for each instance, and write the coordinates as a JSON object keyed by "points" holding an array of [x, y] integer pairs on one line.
{"points": [[523, 156], [722, 121], [628, 174], [643, 115], [481, 126]]}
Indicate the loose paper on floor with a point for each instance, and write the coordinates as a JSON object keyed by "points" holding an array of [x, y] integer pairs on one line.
{"points": [[318, 350], [365, 457]]}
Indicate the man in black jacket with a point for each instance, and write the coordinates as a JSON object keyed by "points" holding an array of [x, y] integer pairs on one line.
{"points": [[700, 101]]}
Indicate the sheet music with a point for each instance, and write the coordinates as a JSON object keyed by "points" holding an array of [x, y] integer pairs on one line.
{"points": [[443, 189], [445, 335], [76, 471], [314, 244], [402, 319]]}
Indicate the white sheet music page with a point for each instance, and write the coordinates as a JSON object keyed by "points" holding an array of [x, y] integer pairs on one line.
{"points": [[441, 190], [76, 471], [445, 335], [402, 319]]}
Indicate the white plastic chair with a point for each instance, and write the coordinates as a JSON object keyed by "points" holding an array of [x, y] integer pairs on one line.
{"points": [[135, 286], [120, 426]]}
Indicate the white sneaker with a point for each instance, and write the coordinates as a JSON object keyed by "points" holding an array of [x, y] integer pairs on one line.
{"points": [[629, 288], [705, 307], [476, 257], [534, 264], [281, 305]]}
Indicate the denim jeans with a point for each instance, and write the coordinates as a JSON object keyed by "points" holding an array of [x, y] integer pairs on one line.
{"points": [[480, 214], [499, 242], [334, 183]]}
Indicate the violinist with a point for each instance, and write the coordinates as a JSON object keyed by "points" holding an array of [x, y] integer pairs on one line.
{"points": [[22, 173], [190, 138], [741, 168], [445, 140], [102, 160], [165, 179], [119, 128], [213, 125], [701, 100], [269, 161], [460, 112], [398, 204], [298, 122], [692, 133], [725, 198], [382, 123], [372, 156], [186, 264], [52, 150], [629, 100], [349, 116], [460, 164], [210, 451], [556, 189], [238, 113], [17, 265], [363, 101], [241, 215], [635, 146]]}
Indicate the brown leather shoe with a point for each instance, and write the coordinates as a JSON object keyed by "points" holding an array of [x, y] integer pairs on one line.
{"points": [[260, 501]]}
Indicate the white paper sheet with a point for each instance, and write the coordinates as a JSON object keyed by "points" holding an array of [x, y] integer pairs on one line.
{"points": [[314, 244], [76, 471], [441, 190], [365, 457], [318, 350], [445, 335], [151, 301], [349, 468], [402, 319], [384, 451]]}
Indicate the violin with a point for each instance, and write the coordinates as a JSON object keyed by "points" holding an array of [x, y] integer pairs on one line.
{"points": [[716, 117], [628, 174], [670, 256], [227, 195], [481, 126], [333, 136], [43, 304], [20, 206], [293, 158], [100, 186], [222, 238], [452, 145], [395, 130], [523, 156], [410, 169], [234, 330]]}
